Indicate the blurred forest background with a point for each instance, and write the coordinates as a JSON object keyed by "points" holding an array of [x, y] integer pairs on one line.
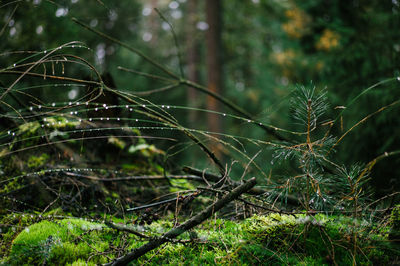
{"points": [[252, 52]]}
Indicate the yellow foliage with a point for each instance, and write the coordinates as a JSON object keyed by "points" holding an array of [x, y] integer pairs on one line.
{"points": [[284, 57], [298, 23], [328, 40]]}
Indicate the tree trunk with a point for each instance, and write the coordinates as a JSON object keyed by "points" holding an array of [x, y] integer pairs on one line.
{"points": [[214, 63], [192, 58]]}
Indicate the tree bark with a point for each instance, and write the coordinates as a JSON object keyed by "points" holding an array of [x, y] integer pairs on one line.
{"points": [[214, 61], [192, 58]]}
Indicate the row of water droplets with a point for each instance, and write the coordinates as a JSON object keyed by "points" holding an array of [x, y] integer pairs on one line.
{"points": [[49, 121], [74, 44]]}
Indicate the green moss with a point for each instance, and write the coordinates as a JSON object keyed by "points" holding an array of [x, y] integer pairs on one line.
{"points": [[59, 242], [117, 142], [273, 239], [29, 128], [61, 122], [36, 162]]}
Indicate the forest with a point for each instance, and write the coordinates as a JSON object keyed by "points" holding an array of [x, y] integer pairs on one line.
{"points": [[199, 132]]}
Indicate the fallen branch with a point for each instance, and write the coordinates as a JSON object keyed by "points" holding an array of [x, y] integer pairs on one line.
{"points": [[189, 224]]}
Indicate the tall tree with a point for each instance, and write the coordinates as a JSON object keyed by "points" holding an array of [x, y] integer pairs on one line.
{"points": [[192, 56], [214, 60]]}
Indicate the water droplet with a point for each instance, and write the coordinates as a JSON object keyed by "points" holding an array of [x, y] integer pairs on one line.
{"points": [[76, 112], [53, 104], [44, 51], [136, 120], [249, 120], [71, 113], [14, 65], [8, 132], [77, 103], [144, 105], [13, 133], [118, 119], [272, 162], [96, 109], [70, 103], [126, 106], [87, 103], [130, 109], [162, 106], [167, 106], [31, 108], [90, 119], [72, 46], [101, 118], [39, 106], [224, 114], [398, 78], [104, 105]]}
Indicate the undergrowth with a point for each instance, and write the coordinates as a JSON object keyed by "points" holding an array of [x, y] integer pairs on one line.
{"points": [[110, 155]]}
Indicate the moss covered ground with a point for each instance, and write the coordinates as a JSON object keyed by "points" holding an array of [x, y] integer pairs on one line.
{"points": [[272, 239]]}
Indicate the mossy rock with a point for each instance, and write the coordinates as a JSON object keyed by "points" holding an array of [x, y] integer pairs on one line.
{"points": [[58, 242]]}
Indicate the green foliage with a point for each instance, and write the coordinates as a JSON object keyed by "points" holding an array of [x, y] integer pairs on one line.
{"points": [[322, 183], [395, 224]]}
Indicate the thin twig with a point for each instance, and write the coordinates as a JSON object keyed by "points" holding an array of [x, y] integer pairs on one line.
{"points": [[122, 227], [130, 48], [175, 40]]}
